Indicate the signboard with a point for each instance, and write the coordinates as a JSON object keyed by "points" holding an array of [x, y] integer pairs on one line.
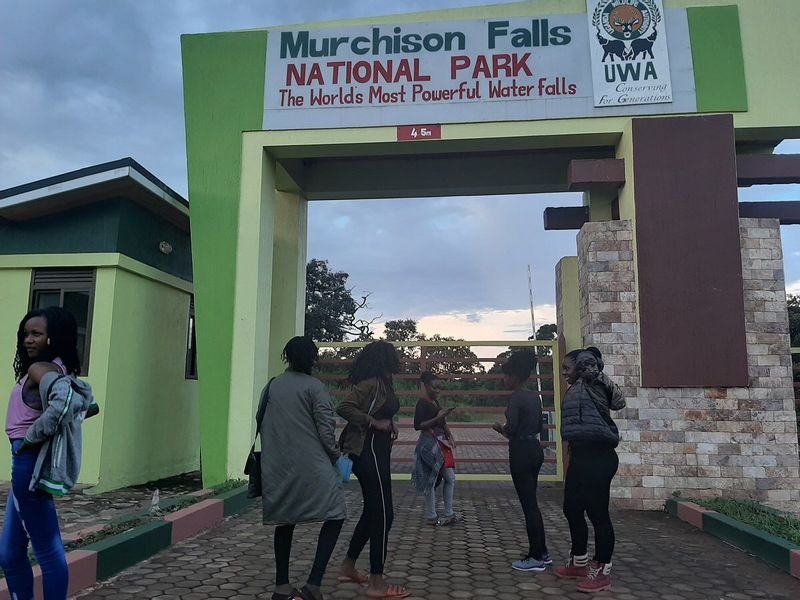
{"points": [[414, 133], [499, 69], [630, 61]]}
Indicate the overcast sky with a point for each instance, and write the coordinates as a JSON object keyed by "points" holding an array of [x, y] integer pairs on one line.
{"points": [[85, 82]]}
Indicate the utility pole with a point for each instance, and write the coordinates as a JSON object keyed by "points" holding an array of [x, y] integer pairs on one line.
{"points": [[530, 296]]}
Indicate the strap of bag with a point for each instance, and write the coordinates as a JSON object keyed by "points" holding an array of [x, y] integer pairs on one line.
{"points": [[262, 409]]}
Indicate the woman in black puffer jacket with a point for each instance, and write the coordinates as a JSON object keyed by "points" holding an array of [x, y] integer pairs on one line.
{"points": [[587, 425]]}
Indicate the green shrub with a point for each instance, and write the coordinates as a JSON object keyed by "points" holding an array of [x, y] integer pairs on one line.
{"points": [[757, 515]]}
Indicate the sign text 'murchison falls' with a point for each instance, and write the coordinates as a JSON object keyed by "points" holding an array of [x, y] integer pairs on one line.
{"points": [[301, 44]]}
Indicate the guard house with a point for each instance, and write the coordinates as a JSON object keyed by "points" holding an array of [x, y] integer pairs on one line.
{"points": [[656, 109], [111, 244]]}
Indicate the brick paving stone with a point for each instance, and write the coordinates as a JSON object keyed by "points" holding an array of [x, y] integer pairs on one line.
{"points": [[656, 556], [81, 509]]}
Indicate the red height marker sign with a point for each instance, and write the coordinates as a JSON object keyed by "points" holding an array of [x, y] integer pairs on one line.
{"points": [[413, 133]]}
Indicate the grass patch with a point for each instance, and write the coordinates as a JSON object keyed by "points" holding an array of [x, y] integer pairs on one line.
{"points": [[227, 486], [757, 515]]}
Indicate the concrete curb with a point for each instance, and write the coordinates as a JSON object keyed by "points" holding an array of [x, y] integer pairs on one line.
{"points": [[101, 560], [776, 551]]}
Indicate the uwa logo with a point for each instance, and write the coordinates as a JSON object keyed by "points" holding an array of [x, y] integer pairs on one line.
{"points": [[626, 29]]}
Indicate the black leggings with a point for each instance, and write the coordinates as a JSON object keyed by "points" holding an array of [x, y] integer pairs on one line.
{"points": [[587, 490], [525, 459], [328, 535], [373, 471]]}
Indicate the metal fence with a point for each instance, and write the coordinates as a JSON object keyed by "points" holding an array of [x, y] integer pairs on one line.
{"points": [[472, 383]]}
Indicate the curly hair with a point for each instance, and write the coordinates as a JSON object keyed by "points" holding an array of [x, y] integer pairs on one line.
{"points": [[375, 360], [300, 353], [62, 330], [520, 364]]}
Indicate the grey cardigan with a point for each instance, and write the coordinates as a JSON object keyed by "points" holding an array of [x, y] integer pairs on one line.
{"points": [[66, 403]]}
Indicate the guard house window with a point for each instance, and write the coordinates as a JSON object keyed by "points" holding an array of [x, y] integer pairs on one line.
{"points": [[72, 289], [191, 345]]}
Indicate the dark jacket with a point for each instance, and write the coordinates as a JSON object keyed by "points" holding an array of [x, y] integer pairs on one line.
{"points": [[585, 412]]}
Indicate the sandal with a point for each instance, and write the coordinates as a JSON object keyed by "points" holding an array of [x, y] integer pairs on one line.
{"points": [[393, 591], [358, 578], [290, 596], [305, 594]]}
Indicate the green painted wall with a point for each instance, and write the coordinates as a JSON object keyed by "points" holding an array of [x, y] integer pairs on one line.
{"points": [[141, 231], [569, 298], [223, 77], [113, 225], [148, 426], [14, 290], [15, 285], [151, 429], [719, 76]]}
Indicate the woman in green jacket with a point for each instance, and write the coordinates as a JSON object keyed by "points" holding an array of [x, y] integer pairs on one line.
{"points": [[369, 410]]}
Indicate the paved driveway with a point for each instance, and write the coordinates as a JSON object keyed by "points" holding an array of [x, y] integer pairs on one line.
{"points": [[657, 557]]}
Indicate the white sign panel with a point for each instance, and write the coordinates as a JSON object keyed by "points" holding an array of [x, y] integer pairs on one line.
{"points": [[630, 60], [503, 69]]}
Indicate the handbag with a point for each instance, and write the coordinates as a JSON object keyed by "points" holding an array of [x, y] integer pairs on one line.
{"points": [[345, 463], [252, 466]]}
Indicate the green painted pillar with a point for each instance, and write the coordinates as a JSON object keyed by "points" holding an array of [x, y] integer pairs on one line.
{"points": [[223, 89], [269, 291], [568, 303]]}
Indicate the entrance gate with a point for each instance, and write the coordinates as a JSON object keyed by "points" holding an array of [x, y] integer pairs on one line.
{"points": [[471, 382], [652, 123]]}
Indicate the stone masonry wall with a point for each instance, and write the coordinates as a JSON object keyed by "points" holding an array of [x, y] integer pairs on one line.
{"points": [[700, 442]]}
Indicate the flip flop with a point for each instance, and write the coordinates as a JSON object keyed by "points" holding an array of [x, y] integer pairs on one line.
{"points": [[290, 596], [305, 594], [393, 591], [359, 578]]}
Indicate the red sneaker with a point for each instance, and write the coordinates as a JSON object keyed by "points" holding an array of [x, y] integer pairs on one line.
{"points": [[598, 578], [571, 571]]}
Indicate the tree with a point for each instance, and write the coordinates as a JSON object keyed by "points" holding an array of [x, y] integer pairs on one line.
{"points": [[544, 333], [441, 358], [401, 330], [793, 304], [330, 306]]}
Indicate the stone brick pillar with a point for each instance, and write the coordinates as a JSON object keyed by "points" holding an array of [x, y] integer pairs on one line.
{"points": [[702, 442]]}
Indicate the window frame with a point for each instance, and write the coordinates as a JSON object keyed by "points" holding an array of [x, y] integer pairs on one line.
{"points": [[66, 284]]}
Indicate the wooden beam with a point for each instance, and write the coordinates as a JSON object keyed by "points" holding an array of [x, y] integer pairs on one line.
{"points": [[565, 217], [761, 169], [596, 174], [788, 213]]}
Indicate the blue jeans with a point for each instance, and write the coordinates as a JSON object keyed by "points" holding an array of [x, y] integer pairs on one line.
{"points": [[448, 483], [31, 516]]}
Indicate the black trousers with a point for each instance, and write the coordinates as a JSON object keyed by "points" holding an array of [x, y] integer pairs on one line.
{"points": [[328, 535], [587, 489], [372, 468], [525, 459]]}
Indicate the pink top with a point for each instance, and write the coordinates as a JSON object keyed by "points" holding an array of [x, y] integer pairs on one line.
{"points": [[20, 416]]}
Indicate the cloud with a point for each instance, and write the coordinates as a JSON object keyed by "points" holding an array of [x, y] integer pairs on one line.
{"points": [[92, 81], [793, 288]]}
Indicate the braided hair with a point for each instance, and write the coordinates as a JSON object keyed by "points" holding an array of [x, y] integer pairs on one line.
{"points": [[62, 331]]}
